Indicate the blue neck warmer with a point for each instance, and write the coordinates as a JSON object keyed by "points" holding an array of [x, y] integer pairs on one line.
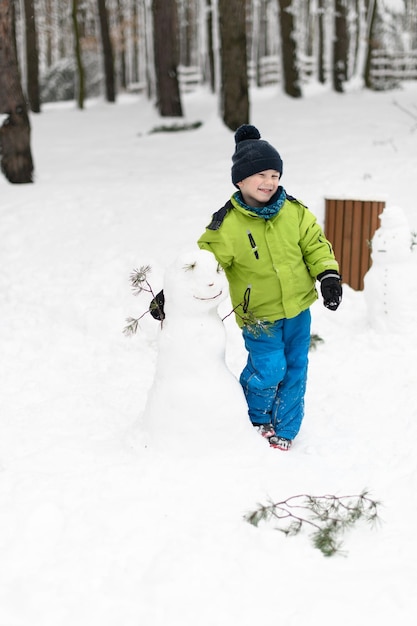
{"points": [[268, 211]]}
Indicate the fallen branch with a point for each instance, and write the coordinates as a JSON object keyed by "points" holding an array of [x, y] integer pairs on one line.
{"points": [[329, 516]]}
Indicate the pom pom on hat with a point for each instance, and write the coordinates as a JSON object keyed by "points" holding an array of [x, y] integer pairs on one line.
{"points": [[252, 154], [246, 132]]}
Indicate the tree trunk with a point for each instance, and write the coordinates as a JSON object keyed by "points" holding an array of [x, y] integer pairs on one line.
{"points": [[259, 34], [134, 75], [289, 50], [150, 69], [321, 74], [121, 48], [48, 32], [78, 56], [233, 61], [62, 22], [308, 18], [210, 45], [355, 36], [188, 54], [370, 42], [107, 51], [164, 13], [15, 152], [340, 46], [32, 57]]}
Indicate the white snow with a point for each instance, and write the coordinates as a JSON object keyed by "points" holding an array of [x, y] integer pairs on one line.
{"points": [[97, 529]]}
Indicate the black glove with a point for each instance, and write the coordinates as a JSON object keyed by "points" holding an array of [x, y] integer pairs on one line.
{"points": [[156, 307], [331, 289]]}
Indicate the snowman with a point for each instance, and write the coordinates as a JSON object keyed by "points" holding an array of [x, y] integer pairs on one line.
{"points": [[195, 402], [391, 282]]}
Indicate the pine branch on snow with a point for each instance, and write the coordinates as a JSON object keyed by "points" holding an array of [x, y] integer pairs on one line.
{"points": [[329, 516]]}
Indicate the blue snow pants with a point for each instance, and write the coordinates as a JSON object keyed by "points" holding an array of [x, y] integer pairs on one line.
{"points": [[275, 376]]}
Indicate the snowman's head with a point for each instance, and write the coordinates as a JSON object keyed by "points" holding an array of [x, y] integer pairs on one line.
{"points": [[392, 240], [194, 283]]}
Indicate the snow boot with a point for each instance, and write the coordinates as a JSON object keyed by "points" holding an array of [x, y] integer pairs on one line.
{"points": [[265, 430], [281, 443]]}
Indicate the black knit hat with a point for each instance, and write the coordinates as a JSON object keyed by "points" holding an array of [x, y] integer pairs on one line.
{"points": [[252, 154]]}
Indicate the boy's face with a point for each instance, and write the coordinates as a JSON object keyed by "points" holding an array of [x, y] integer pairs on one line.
{"points": [[258, 189]]}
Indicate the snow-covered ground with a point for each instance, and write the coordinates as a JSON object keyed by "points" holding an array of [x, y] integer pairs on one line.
{"points": [[97, 528]]}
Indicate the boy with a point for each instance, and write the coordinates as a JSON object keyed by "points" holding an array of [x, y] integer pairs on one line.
{"points": [[272, 251]]}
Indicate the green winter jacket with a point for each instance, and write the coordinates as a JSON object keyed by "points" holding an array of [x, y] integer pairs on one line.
{"points": [[272, 264]]}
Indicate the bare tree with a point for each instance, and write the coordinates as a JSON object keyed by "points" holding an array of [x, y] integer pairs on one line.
{"points": [[321, 74], [257, 37], [219, 37], [48, 31], [107, 51], [210, 45], [150, 71], [32, 57], [134, 76], [15, 152], [164, 14], [78, 56], [121, 48], [188, 53], [233, 60], [370, 42], [340, 46], [289, 50]]}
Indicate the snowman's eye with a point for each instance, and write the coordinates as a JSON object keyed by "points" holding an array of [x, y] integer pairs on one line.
{"points": [[189, 267]]}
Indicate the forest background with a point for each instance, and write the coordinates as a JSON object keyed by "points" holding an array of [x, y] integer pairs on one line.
{"points": [[74, 49]]}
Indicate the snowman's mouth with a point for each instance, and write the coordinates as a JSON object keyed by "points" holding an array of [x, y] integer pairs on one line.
{"points": [[212, 297]]}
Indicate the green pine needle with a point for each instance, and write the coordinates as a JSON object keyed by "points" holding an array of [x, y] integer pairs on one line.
{"points": [[329, 516]]}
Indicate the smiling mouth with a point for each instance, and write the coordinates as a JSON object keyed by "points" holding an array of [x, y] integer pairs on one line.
{"points": [[212, 297]]}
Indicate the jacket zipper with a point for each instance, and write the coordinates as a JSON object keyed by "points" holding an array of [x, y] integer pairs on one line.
{"points": [[253, 245]]}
